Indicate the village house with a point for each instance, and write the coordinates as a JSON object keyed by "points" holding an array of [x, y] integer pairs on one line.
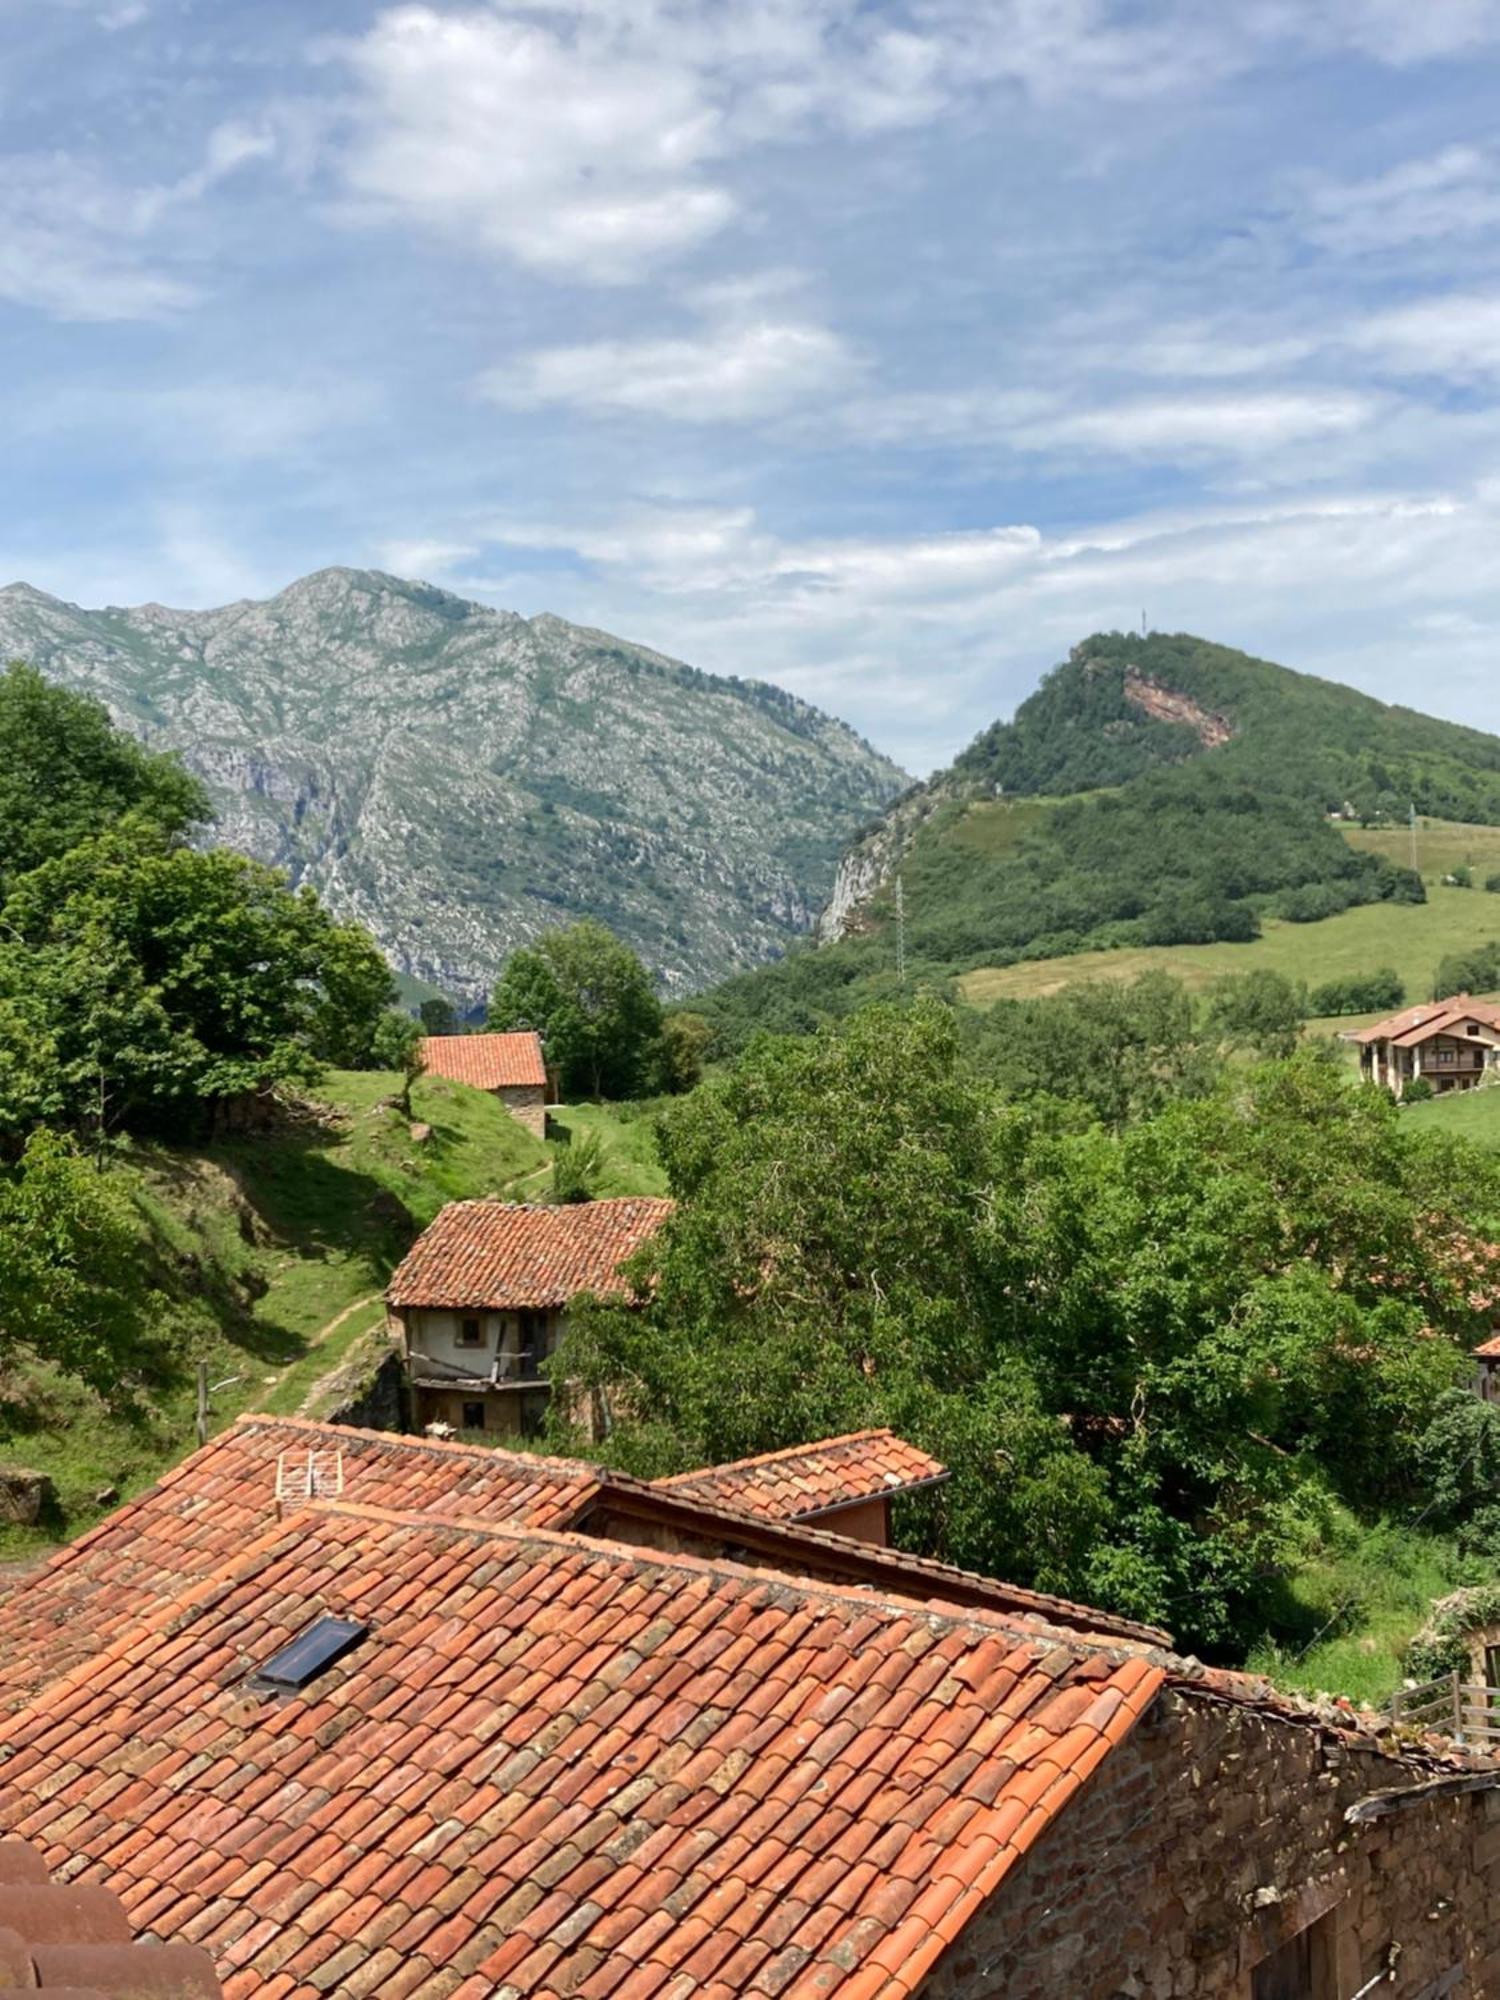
{"points": [[511, 1067], [1452, 1044], [480, 1301], [367, 1715]]}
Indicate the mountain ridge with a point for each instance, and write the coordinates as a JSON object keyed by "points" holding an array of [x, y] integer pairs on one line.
{"points": [[460, 778]]}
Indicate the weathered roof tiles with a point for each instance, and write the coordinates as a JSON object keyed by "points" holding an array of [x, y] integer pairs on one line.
{"points": [[500, 1255], [810, 1479], [488, 1062], [559, 1766]]}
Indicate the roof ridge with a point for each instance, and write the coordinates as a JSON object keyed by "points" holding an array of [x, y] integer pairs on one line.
{"points": [[782, 1452], [480, 1454]]}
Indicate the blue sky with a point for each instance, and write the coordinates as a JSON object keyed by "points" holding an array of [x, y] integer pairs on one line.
{"points": [[882, 351]]}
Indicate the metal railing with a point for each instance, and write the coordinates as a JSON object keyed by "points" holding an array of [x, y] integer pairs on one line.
{"points": [[1465, 1710]]}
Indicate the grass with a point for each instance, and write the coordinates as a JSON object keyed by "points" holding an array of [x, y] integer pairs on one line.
{"points": [[1442, 845], [996, 827], [627, 1134], [253, 1247], [1411, 937], [1462, 1114]]}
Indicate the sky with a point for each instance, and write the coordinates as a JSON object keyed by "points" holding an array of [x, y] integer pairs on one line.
{"points": [[883, 351]]}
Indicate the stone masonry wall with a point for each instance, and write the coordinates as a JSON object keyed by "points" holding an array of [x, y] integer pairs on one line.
{"points": [[528, 1103], [1211, 1837]]}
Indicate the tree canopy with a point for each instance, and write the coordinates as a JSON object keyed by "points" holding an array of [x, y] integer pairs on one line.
{"points": [[1136, 1348], [591, 1000]]}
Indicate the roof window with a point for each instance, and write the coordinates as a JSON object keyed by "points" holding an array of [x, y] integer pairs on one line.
{"points": [[311, 1653]]}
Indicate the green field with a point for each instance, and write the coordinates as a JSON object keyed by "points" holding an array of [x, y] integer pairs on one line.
{"points": [[1442, 846], [1411, 937], [265, 1257]]}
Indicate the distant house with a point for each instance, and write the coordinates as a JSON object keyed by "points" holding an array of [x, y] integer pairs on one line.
{"points": [[1453, 1044], [511, 1067], [481, 1300], [1486, 1358]]}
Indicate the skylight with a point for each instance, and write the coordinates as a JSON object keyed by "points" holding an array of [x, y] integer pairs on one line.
{"points": [[308, 1655]]}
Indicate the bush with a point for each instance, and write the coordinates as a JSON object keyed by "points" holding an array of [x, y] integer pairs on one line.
{"points": [[1492, 883], [578, 1170], [1417, 1091], [1461, 877], [1362, 994], [1476, 971]]}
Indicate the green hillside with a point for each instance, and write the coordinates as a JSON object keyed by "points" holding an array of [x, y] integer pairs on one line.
{"points": [[267, 1257], [1158, 800]]}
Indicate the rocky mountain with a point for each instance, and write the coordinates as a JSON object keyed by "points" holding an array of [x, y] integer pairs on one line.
{"points": [[460, 778]]}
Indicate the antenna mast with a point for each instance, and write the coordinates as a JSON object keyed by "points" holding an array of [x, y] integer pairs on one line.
{"points": [[900, 937]]}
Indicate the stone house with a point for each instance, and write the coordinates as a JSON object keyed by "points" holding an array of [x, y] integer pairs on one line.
{"points": [[511, 1067], [1453, 1044], [845, 1484], [360, 1714], [1486, 1358], [480, 1301]]}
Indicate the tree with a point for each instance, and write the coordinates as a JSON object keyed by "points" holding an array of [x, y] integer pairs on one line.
{"points": [[397, 1044], [67, 774], [685, 1039], [355, 989], [1120, 1048], [1262, 1012], [68, 1292], [438, 1016], [591, 1000]]}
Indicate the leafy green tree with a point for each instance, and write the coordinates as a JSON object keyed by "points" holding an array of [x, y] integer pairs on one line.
{"points": [[685, 1040], [69, 1293], [1262, 1012], [438, 1016], [1120, 1048], [590, 998], [397, 1044], [355, 990], [67, 774], [1459, 1453]]}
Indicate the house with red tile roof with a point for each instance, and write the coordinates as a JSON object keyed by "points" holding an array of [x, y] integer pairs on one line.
{"points": [[511, 1067], [480, 1302], [362, 1715], [1453, 1044], [845, 1483]]}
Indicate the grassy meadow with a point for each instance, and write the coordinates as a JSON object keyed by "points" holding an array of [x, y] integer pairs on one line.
{"points": [[1411, 937]]}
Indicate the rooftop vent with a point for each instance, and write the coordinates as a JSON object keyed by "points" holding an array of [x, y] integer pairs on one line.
{"points": [[308, 1655]]}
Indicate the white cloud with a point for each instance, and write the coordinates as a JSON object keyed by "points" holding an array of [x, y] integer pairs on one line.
{"points": [[424, 559], [727, 374], [1168, 426], [1453, 334], [575, 158], [1452, 193], [68, 245]]}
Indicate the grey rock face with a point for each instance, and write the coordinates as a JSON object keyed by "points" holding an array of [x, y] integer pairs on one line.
{"points": [[461, 779]]}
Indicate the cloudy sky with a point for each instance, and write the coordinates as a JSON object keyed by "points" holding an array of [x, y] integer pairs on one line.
{"points": [[883, 350]]}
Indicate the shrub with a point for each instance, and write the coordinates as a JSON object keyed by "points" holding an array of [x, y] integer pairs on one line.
{"points": [[1461, 877], [1492, 883], [1417, 1091], [1362, 994]]}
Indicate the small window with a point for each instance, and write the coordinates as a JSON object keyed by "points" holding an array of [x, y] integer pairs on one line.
{"points": [[473, 1416], [1472, 1029], [308, 1655], [470, 1333]]}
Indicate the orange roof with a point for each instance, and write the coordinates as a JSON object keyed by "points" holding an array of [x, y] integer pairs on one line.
{"points": [[509, 1255], [1416, 1024], [76, 1943], [210, 1505], [559, 1766], [1487, 1350], [489, 1062], [810, 1479]]}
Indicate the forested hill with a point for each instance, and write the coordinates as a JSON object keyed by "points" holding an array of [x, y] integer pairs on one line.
{"points": [[1120, 706], [460, 779], [1154, 790]]}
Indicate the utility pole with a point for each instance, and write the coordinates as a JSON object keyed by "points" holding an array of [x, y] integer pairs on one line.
{"points": [[900, 937], [202, 1423], [1414, 868], [1143, 624]]}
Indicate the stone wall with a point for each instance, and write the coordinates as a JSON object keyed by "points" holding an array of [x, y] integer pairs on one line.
{"points": [[526, 1102], [1209, 1840]]}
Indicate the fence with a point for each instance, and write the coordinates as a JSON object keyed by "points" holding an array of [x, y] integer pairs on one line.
{"points": [[1464, 1710]]}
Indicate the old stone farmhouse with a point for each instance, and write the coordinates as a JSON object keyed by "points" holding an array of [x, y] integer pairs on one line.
{"points": [[366, 1715], [1453, 1044], [511, 1067], [480, 1302]]}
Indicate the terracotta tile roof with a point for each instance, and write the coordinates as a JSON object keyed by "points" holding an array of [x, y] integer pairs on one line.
{"points": [[209, 1506], [1430, 1017], [489, 1062], [1487, 1350], [559, 1766], [500, 1254], [808, 1479], [76, 1943]]}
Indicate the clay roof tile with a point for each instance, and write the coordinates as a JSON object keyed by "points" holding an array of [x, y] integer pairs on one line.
{"points": [[488, 1062], [500, 1255]]}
